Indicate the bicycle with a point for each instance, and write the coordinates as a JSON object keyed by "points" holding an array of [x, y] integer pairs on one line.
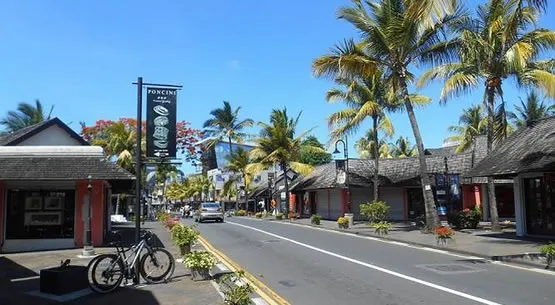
{"points": [[119, 266]]}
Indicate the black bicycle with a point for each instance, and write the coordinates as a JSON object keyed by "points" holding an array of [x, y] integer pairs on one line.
{"points": [[107, 271]]}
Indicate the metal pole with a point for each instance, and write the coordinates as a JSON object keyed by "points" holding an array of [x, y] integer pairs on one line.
{"points": [[88, 249], [138, 167], [347, 174]]}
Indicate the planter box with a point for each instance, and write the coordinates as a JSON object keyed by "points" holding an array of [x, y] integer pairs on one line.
{"points": [[185, 249], [200, 274], [62, 280]]}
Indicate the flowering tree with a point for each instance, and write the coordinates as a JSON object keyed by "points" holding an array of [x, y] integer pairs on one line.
{"points": [[119, 138]]}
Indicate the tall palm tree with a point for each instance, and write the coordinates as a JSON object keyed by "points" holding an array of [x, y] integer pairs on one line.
{"points": [[501, 42], [119, 141], [396, 35], [26, 115], [238, 163], [472, 123], [403, 148], [278, 144], [225, 124], [366, 145], [531, 110], [366, 98]]}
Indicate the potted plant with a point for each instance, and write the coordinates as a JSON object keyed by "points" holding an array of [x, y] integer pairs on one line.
{"points": [[279, 216], [343, 223], [235, 294], [259, 215], [184, 237], [549, 251], [292, 215], [170, 223], [381, 227], [315, 219], [443, 234], [200, 263]]}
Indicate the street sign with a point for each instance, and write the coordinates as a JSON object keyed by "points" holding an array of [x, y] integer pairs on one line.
{"points": [[161, 122]]}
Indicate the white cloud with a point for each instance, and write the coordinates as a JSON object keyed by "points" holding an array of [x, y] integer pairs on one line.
{"points": [[234, 65]]}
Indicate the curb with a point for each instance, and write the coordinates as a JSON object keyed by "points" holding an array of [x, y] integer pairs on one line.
{"points": [[515, 259]]}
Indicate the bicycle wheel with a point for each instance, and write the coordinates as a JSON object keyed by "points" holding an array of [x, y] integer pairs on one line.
{"points": [[107, 273], [157, 266]]}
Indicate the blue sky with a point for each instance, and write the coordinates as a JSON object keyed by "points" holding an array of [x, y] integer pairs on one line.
{"points": [[82, 56]]}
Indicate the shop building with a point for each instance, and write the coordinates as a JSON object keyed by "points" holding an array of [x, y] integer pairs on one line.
{"points": [[527, 157], [45, 173]]}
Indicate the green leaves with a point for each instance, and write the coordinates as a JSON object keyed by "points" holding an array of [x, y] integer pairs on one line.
{"points": [[26, 115]]}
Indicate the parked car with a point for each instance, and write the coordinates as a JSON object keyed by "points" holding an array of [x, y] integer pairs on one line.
{"points": [[209, 211]]}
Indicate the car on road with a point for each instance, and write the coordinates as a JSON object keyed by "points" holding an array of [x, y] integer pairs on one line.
{"points": [[209, 211]]}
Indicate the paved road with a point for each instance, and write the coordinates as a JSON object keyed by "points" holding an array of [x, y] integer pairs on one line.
{"points": [[311, 266]]}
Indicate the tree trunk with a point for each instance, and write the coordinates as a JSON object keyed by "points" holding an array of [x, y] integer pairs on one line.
{"points": [[376, 158], [247, 194], [230, 146], [432, 219], [117, 204], [491, 184]]}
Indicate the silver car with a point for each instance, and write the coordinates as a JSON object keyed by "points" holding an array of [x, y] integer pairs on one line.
{"points": [[209, 211]]}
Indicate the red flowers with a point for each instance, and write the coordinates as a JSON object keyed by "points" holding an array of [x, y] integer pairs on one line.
{"points": [[443, 232]]}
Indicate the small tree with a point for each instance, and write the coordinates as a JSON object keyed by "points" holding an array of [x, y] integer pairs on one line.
{"points": [[375, 211]]}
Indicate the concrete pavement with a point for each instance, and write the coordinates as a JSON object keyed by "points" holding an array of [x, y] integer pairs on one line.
{"points": [[310, 266]]}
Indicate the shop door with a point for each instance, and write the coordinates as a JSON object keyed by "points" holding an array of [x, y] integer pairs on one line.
{"points": [[540, 211], [415, 200]]}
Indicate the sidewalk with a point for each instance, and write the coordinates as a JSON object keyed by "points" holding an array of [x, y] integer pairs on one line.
{"points": [[498, 246], [26, 267]]}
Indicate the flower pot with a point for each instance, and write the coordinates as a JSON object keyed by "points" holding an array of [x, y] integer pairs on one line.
{"points": [[443, 241], [184, 249], [200, 274], [343, 226]]}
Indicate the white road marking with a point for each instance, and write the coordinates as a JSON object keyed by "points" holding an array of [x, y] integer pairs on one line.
{"points": [[386, 241], [384, 270]]}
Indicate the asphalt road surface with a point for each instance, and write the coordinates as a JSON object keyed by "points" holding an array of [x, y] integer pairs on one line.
{"points": [[311, 266]]}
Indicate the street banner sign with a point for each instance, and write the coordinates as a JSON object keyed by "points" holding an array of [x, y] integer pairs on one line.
{"points": [[161, 106]]}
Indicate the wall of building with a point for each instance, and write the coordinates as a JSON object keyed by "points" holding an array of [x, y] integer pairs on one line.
{"points": [[359, 196], [51, 136], [329, 202], [471, 196], [97, 212], [394, 196], [2, 208]]}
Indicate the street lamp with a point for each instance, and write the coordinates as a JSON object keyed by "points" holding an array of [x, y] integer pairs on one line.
{"points": [[88, 249], [346, 155]]}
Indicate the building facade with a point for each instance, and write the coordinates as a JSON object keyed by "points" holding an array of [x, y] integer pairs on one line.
{"points": [[48, 177]]}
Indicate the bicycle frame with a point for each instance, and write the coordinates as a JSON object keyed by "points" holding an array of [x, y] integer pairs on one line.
{"points": [[135, 254]]}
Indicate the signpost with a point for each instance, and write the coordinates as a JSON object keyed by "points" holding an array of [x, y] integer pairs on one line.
{"points": [[160, 135], [160, 122]]}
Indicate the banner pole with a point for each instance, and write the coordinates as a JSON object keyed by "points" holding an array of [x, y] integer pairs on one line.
{"points": [[138, 169]]}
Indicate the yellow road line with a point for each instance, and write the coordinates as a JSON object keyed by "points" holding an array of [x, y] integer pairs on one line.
{"points": [[260, 288]]}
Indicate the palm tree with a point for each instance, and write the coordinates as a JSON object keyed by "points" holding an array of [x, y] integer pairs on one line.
{"points": [[26, 115], [366, 145], [403, 148], [531, 110], [472, 123], [279, 145], [364, 99], [225, 124], [119, 142], [238, 163], [501, 42], [396, 35]]}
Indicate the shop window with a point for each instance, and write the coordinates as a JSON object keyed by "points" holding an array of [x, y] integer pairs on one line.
{"points": [[40, 214], [540, 212]]}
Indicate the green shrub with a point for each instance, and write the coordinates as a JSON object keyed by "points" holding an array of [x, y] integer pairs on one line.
{"points": [[235, 294], [199, 260], [465, 219], [259, 215], [375, 211], [241, 213], [549, 251], [183, 235], [279, 216], [381, 227], [315, 219], [343, 222], [267, 214]]}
